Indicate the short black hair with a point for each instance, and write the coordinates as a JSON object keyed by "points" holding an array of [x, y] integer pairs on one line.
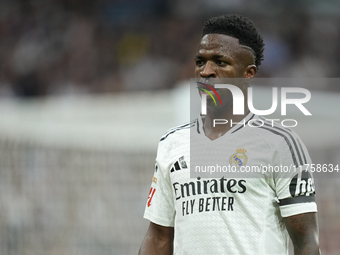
{"points": [[239, 27]]}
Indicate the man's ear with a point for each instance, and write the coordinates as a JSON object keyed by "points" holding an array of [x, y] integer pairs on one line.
{"points": [[250, 71]]}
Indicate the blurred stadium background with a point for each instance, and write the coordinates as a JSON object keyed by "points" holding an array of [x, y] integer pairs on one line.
{"points": [[88, 87]]}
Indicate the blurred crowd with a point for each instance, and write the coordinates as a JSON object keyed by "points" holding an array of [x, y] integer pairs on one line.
{"points": [[61, 47]]}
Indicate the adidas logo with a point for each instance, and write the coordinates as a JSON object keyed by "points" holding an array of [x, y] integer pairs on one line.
{"points": [[179, 165]]}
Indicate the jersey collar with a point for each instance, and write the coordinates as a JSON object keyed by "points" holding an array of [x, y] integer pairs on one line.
{"points": [[235, 127]]}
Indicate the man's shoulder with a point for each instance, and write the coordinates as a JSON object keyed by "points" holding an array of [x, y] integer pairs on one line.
{"points": [[272, 131], [283, 139], [175, 140], [177, 131]]}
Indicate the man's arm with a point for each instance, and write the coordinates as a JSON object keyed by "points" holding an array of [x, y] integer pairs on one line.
{"points": [[304, 232], [158, 241]]}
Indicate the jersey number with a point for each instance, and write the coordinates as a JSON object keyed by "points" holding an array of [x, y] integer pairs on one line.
{"points": [[151, 193]]}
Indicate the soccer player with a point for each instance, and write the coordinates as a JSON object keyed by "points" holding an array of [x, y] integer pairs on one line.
{"points": [[237, 216]]}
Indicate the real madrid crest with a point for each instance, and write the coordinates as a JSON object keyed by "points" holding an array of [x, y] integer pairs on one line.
{"points": [[239, 158]]}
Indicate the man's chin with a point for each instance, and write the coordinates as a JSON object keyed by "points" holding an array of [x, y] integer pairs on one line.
{"points": [[218, 107]]}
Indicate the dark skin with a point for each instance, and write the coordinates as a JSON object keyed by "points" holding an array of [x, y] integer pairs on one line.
{"points": [[221, 57], [218, 57], [158, 241], [303, 230]]}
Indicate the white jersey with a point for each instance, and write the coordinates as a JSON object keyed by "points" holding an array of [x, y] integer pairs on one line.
{"points": [[231, 215]]}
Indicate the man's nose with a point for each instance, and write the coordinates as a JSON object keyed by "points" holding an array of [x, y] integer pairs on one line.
{"points": [[208, 71]]}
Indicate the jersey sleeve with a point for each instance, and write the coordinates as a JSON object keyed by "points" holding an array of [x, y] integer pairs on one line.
{"points": [[294, 184], [159, 208]]}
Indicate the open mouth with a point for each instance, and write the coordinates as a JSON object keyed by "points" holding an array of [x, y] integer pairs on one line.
{"points": [[208, 89], [206, 86]]}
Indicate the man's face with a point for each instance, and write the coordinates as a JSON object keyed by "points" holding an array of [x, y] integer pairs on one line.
{"points": [[220, 57]]}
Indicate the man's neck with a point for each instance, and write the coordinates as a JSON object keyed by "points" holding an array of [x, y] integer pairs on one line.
{"points": [[220, 129]]}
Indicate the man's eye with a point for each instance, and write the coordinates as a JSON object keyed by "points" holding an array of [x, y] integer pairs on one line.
{"points": [[199, 62], [221, 63]]}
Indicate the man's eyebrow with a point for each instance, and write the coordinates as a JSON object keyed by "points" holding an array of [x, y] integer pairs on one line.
{"points": [[213, 56]]}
